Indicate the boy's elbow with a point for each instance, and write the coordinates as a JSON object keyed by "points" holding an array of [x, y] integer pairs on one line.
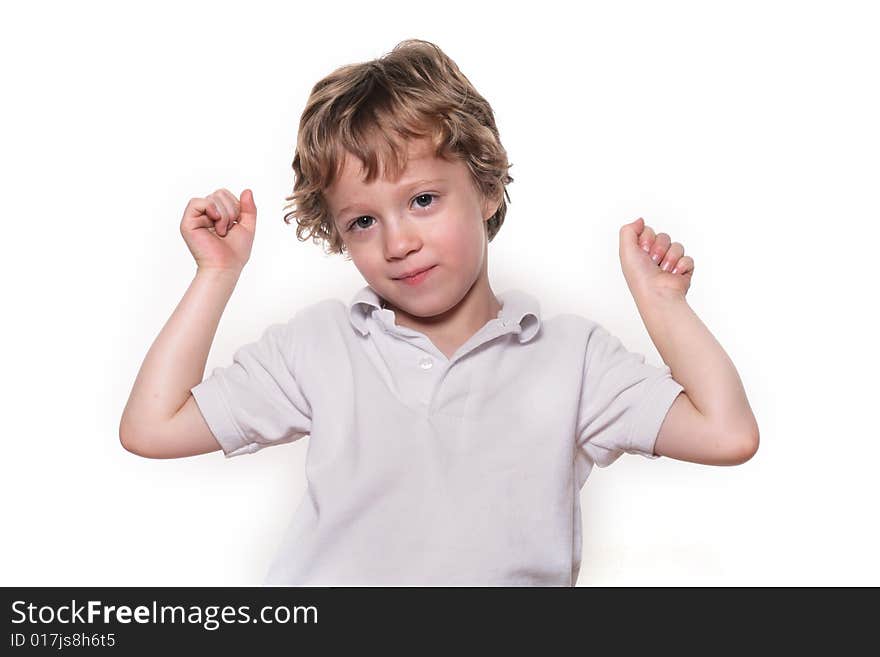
{"points": [[136, 448], [128, 441], [749, 445]]}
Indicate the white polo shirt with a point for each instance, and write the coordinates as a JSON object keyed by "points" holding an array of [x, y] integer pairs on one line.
{"points": [[424, 470]]}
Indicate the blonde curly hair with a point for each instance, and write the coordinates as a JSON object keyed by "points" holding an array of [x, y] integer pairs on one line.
{"points": [[370, 110]]}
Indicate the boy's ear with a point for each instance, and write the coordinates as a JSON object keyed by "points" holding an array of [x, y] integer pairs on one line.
{"points": [[490, 207]]}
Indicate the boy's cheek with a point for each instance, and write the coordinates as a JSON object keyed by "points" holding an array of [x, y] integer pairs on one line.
{"points": [[371, 266]]}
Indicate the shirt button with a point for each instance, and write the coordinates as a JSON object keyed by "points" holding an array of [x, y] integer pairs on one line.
{"points": [[426, 363]]}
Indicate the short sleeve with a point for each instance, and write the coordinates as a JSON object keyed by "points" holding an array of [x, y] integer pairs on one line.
{"points": [[256, 401], [623, 401]]}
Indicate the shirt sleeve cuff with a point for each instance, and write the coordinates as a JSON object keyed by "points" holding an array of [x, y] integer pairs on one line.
{"points": [[209, 397], [647, 422]]}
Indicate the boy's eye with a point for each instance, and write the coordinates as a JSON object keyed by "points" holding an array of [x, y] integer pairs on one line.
{"points": [[355, 223], [426, 198]]}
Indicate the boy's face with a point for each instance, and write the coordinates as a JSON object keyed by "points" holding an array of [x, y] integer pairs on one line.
{"points": [[432, 217]]}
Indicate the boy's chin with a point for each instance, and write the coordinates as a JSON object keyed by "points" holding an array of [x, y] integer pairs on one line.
{"points": [[419, 304]]}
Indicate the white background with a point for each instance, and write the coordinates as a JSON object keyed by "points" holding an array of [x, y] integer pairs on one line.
{"points": [[747, 131]]}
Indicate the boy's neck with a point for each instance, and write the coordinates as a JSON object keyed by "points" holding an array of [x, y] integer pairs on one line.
{"points": [[451, 329]]}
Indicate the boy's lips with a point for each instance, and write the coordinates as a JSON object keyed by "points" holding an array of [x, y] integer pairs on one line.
{"points": [[413, 272], [417, 276]]}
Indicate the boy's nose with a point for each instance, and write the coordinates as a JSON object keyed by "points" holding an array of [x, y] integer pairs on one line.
{"points": [[401, 239]]}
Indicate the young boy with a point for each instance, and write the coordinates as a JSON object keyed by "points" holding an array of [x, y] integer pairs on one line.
{"points": [[451, 429]]}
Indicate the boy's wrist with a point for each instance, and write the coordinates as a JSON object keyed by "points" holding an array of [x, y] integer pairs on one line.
{"points": [[218, 273], [655, 296]]}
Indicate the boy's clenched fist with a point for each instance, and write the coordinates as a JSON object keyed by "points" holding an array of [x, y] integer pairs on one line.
{"points": [[653, 263], [219, 229]]}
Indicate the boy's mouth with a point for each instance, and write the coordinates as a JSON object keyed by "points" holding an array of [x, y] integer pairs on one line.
{"points": [[412, 273], [416, 276]]}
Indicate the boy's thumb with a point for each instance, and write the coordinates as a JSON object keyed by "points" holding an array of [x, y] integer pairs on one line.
{"points": [[248, 208], [629, 233]]}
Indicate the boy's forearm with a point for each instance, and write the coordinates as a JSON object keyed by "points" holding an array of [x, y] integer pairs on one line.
{"points": [[176, 360], [697, 361]]}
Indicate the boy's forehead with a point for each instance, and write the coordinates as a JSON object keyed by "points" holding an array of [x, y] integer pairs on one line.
{"points": [[421, 163]]}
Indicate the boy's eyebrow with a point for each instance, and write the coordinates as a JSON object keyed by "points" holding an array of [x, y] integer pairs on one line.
{"points": [[404, 186]]}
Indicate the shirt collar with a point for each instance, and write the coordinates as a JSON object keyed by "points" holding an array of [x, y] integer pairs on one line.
{"points": [[518, 310]]}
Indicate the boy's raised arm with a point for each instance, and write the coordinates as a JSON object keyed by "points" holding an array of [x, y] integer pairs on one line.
{"points": [[161, 418], [711, 421]]}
